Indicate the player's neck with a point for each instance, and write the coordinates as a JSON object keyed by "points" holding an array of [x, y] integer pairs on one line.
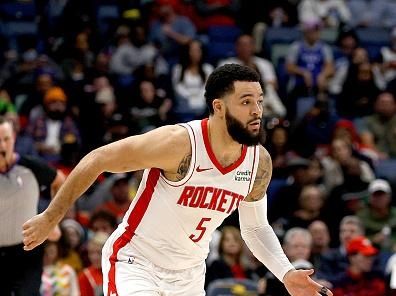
{"points": [[219, 136], [224, 147]]}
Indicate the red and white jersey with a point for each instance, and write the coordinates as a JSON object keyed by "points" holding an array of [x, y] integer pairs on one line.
{"points": [[171, 223]]}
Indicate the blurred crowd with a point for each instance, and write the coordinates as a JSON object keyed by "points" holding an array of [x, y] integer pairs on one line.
{"points": [[75, 75]]}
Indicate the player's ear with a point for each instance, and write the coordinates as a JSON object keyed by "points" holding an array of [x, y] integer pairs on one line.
{"points": [[218, 106]]}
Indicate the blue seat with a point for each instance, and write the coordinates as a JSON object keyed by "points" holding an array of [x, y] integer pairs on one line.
{"points": [[221, 42], [273, 188], [231, 286], [17, 28], [281, 35], [223, 33], [106, 16], [220, 50], [386, 169], [17, 11], [373, 36]]}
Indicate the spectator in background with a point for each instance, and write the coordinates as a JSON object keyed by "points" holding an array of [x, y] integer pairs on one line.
{"points": [[54, 128], [278, 146], [217, 12], [22, 178], [379, 216], [57, 278], [361, 12], [90, 279], [333, 13], [359, 279], [170, 31], [346, 130], [297, 170], [346, 43], [132, 50], [388, 56], [335, 261], [309, 63], [310, 203], [314, 129], [297, 244], [70, 244], [120, 199], [149, 110], [102, 221], [360, 87], [230, 264], [82, 47], [320, 241], [244, 47], [188, 79], [341, 165], [378, 130], [31, 106]]}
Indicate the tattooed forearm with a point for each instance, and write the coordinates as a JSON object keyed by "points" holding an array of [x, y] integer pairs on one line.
{"points": [[263, 176], [183, 167]]}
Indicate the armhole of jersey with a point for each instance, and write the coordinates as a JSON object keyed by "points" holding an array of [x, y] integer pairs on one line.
{"points": [[190, 172], [256, 159]]}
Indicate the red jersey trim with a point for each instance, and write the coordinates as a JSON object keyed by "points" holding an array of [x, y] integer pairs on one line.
{"points": [[223, 170], [134, 219]]}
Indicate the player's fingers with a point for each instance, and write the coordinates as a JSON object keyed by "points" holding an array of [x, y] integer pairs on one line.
{"points": [[323, 291], [26, 225], [27, 241], [27, 232]]}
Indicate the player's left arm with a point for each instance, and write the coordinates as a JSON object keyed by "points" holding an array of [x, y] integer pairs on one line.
{"points": [[261, 239]]}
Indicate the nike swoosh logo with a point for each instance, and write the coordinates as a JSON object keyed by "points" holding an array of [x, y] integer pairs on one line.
{"points": [[203, 170]]}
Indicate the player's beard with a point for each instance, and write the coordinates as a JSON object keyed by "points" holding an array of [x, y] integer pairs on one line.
{"points": [[240, 133]]}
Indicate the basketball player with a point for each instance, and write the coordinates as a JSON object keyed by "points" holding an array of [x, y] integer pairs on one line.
{"points": [[196, 175]]}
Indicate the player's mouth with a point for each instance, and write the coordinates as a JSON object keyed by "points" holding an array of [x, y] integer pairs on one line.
{"points": [[255, 124]]}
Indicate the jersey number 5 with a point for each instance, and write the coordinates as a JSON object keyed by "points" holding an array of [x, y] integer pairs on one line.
{"points": [[201, 228]]}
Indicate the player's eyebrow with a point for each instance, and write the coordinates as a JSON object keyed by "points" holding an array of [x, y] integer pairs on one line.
{"points": [[244, 95]]}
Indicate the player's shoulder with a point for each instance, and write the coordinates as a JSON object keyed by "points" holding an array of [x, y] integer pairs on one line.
{"points": [[264, 157], [176, 137]]}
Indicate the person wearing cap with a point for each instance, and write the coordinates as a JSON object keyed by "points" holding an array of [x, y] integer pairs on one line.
{"points": [[54, 128], [359, 279], [379, 216]]}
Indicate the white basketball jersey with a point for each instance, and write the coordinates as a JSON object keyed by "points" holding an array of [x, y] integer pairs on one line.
{"points": [[171, 223]]}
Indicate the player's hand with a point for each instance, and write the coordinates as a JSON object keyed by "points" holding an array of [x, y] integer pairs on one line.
{"points": [[299, 283], [35, 231]]}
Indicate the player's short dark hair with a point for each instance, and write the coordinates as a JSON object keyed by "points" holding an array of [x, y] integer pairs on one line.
{"points": [[221, 81]]}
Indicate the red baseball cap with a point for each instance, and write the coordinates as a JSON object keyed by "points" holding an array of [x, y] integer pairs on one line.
{"points": [[362, 245]]}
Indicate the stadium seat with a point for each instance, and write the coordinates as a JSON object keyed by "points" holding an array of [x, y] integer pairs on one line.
{"points": [[329, 35], [386, 169], [273, 188], [106, 17], [221, 40], [11, 11], [278, 51], [231, 287], [281, 35], [373, 39]]}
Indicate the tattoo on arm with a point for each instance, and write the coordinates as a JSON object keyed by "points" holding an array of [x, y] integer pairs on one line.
{"points": [[183, 167], [263, 176]]}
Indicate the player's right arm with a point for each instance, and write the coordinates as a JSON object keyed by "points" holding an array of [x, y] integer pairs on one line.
{"points": [[166, 148]]}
